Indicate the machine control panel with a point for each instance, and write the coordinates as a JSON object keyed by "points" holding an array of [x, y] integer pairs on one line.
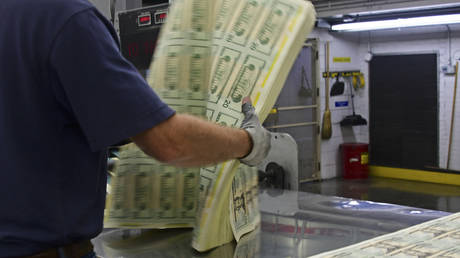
{"points": [[139, 30]]}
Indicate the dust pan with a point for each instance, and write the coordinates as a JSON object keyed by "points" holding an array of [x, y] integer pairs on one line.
{"points": [[338, 87], [353, 120]]}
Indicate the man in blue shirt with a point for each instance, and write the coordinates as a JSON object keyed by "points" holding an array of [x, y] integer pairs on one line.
{"points": [[66, 94]]}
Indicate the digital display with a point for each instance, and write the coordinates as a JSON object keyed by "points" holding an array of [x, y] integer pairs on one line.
{"points": [[160, 17], [139, 47], [144, 20]]}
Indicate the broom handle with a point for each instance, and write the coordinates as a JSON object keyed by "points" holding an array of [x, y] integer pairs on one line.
{"points": [[327, 76], [352, 97], [453, 116]]}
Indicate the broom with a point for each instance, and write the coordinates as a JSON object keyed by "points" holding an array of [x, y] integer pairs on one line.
{"points": [[326, 131], [453, 116]]}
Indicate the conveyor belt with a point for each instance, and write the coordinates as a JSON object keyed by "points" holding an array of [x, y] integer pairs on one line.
{"points": [[294, 224]]}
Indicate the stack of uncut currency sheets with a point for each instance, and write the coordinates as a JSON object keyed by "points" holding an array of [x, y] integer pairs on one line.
{"points": [[211, 54], [435, 238]]}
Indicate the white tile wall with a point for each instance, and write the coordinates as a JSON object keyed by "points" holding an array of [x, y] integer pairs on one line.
{"points": [[340, 46], [415, 40]]}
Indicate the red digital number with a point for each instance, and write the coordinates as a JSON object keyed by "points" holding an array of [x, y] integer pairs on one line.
{"points": [[145, 19], [133, 49]]}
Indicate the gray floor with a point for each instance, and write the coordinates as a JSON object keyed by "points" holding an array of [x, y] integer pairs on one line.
{"points": [[394, 191]]}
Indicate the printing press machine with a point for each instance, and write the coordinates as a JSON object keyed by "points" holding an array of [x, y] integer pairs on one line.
{"points": [[293, 224]]}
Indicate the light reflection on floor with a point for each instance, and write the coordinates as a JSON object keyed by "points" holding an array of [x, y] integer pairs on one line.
{"points": [[395, 191]]}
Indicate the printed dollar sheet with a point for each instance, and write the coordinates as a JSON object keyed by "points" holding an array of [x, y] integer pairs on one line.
{"points": [[244, 201], [148, 194], [211, 54], [144, 192], [254, 46], [435, 238]]}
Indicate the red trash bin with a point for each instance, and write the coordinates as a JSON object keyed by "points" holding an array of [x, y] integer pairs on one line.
{"points": [[355, 159]]}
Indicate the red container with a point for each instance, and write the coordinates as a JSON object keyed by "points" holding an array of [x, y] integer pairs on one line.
{"points": [[355, 159]]}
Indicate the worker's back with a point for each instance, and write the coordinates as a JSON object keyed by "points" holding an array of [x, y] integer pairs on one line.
{"points": [[52, 186], [66, 94]]}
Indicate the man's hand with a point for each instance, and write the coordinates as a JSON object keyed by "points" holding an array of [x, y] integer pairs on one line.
{"points": [[259, 135]]}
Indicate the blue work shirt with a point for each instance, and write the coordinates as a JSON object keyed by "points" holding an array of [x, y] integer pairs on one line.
{"points": [[66, 93]]}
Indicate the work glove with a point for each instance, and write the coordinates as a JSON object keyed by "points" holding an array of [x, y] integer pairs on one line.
{"points": [[259, 135]]}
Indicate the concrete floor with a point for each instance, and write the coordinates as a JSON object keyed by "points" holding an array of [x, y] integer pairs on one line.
{"points": [[403, 192]]}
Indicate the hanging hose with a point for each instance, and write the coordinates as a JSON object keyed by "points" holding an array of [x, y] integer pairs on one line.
{"points": [[113, 4]]}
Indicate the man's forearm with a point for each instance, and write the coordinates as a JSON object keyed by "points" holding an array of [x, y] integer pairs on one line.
{"points": [[184, 140]]}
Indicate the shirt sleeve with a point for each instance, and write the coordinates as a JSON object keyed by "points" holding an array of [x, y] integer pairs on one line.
{"points": [[106, 94]]}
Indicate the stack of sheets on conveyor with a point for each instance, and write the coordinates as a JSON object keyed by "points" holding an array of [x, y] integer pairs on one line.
{"points": [[436, 238], [210, 55]]}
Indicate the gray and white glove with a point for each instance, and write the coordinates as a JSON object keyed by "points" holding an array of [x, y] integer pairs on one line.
{"points": [[259, 135]]}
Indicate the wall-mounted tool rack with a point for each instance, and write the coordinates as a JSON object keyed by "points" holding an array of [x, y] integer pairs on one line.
{"points": [[342, 74]]}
